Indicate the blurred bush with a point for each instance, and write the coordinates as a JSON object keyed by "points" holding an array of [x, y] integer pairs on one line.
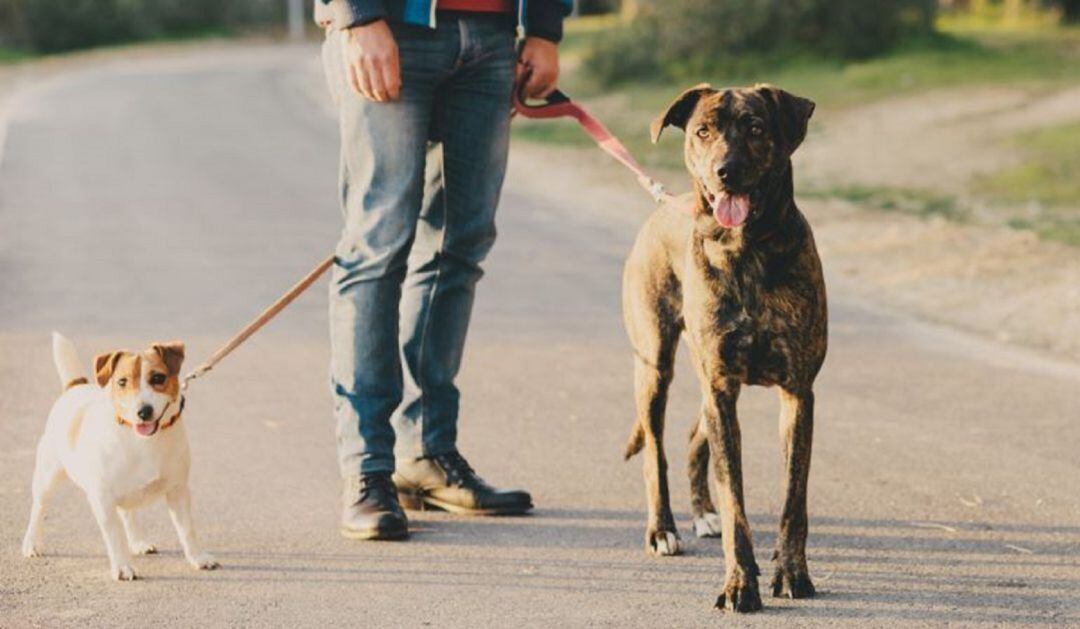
{"points": [[57, 25], [686, 38]]}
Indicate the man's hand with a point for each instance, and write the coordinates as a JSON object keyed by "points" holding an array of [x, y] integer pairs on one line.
{"points": [[371, 60], [540, 59]]}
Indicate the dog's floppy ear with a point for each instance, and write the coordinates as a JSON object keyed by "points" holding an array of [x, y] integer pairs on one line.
{"points": [[104, 365], [792, 114], [172, 354], [678, 112]]}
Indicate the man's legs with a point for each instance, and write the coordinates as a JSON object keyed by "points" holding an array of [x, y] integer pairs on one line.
{"points": [[455, 233], [382, 165]]}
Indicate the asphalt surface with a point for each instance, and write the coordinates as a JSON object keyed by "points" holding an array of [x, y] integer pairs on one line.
{"points": [[172, 198]]}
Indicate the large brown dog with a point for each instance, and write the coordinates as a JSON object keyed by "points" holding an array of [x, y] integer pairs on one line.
{"points": [[741, 279]]}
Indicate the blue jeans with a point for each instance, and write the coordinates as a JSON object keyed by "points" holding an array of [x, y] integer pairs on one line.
{"points": [[420, 180]]}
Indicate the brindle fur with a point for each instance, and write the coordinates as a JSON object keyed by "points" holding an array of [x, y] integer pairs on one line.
{"points": [[750, 302]]}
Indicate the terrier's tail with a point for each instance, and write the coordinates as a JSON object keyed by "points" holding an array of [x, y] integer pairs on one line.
{"points": [[67, 362]]}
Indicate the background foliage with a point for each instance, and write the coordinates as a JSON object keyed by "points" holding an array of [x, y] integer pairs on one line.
{"points": [[680, 38], [45, 26]]}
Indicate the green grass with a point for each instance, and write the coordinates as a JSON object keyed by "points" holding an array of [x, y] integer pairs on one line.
{"points": [[906, 201], [1046, 186], [10, 55]]}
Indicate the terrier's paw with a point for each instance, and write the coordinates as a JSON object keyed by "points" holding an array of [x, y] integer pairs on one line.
{"points": [[740, 595], [708, 525], [205, 561], [123, 573], [30, 548], [663, 543], [792, 582], [142, 548]]}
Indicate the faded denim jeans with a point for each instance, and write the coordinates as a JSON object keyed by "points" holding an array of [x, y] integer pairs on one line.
{"points": [[407, 264]]}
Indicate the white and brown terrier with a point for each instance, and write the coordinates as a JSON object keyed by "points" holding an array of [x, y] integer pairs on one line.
{"points": [[121, 441]]}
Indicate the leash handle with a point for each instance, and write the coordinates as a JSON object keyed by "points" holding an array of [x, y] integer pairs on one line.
{"points": [[559, 105], [265, 317]]}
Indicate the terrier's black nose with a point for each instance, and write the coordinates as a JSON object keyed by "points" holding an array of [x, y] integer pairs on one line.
{"points": [[146, 412]]}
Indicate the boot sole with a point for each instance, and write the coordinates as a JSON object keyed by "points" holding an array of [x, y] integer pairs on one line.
{"points": [[419, 502], [373, 534]]}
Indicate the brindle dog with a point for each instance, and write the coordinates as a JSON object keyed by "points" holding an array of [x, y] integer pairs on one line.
{"points": [[741, 280]]}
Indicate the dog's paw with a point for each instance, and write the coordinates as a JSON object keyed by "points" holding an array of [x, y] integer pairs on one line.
{"points": [[792, 582], [31, 549], [663, 543], [204, 561], [740, 595], [123, 573], [142, 548], [708, 525]]}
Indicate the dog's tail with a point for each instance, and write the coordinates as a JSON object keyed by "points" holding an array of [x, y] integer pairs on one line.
{"points": [[67, 362], [635, 443]]}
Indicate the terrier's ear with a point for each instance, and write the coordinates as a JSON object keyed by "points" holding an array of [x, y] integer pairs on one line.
{"points": [[104, 365], [172, 354], [792, 114], [679, 111]]}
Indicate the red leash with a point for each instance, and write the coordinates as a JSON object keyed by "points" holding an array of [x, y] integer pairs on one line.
{"points": [[559, 105]]}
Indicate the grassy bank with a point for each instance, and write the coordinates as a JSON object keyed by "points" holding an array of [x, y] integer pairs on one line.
{"points": [[1038, 56], [1045, 188]]}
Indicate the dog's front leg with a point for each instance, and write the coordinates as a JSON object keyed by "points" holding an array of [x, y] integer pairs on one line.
{"points": [[792, 578], [740, 593], [651, 384], [179, 501], [108, 519], [136, 537]]}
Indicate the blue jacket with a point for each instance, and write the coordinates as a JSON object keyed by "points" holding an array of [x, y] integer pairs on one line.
{"points": [[535, 18]]}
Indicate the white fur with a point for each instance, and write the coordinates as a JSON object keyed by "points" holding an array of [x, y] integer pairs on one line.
{"points": [[118, 470]]}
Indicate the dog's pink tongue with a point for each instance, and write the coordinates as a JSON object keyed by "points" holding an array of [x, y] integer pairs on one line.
{"points": [[731, 210], [146, 428]]}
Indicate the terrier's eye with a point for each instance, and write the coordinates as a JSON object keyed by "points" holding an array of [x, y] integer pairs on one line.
{"points": [[122, 382], [157, 379], [756, 130], [702, 132]]}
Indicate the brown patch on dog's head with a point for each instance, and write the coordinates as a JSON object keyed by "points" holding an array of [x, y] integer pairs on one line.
{"points": [[144, 387], [738, 141], [105, 365]]}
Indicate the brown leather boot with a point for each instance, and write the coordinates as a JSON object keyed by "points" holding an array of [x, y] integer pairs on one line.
{"points": [[448, 482]]}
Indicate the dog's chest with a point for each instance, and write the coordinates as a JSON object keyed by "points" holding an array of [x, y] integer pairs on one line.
{"points": [[141, 476], [747, 324]]}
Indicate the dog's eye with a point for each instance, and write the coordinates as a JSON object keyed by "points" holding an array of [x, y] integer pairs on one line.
{"points": [[702, 132], [157, 379], [756, 130], [122, 382]]}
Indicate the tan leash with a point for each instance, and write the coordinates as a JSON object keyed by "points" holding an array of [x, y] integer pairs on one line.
{"points": [[259, 321]]}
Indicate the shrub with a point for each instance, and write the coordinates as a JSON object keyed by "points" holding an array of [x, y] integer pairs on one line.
{"points": [[688, 37], [57, 25]]}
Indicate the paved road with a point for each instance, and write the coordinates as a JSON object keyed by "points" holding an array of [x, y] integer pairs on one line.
{"points": [[173, 197]]}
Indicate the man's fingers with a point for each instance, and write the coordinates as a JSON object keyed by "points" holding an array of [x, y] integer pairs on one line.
{"points": [[363, 82], [540, 84], [373, 72]]}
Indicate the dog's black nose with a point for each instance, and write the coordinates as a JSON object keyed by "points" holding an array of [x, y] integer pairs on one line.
{"points": [[145, 412], [728, 173]]}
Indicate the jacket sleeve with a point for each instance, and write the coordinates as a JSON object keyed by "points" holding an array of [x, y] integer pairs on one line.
{"points": [[544, 18], [350, 13]]}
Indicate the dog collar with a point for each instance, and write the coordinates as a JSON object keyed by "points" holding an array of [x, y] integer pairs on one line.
{"points": [[175, 418]]}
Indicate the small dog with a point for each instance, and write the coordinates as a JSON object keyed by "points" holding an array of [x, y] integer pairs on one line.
{"points": [[122, 442], [740, 279]]}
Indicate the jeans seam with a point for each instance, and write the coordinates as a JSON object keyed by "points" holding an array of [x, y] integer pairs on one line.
{"points": [[427, 317]]}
